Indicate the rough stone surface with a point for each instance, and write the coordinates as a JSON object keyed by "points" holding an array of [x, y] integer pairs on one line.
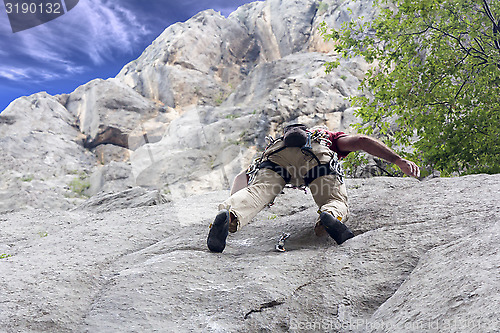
{"points": [[183, 119], [468, 268], [425, 254], [190, 113], [107, 111], [41, 153], [110, 177], [131, 198]]}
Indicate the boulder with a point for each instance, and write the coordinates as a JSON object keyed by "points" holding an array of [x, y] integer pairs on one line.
{"points": [[106, 112], [42, 154], [112, 177]]}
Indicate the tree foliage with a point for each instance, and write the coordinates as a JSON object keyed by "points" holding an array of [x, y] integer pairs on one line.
{"points": [[436, 73]]}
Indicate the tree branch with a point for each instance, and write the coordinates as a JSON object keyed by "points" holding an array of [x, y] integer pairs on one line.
{"points": [[461, 87], [478, 54], [488, 13], [496, 27], [479, 44]]}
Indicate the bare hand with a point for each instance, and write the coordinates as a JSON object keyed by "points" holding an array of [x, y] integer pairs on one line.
{"points": [[408, 167]]}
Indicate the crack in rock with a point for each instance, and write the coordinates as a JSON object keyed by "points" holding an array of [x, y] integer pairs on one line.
{"points": [[263, 306]]}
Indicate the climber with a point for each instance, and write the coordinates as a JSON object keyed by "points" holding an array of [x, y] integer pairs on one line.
{"points": [[301, 157]]}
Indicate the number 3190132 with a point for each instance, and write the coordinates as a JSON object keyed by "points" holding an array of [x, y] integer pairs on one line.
{"points": [[33, 8]]}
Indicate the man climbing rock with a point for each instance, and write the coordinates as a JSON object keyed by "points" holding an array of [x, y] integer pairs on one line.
{"points": [[301, 157]]}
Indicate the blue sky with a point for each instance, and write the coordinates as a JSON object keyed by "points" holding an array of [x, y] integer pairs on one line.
{"points": [[93, 40]]}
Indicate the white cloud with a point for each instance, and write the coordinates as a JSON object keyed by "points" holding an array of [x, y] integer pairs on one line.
{"points": [[92, 32], [35, 75], [13, 73], [102, 27]]}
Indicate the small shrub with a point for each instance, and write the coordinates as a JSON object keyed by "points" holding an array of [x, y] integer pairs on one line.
{"points": [[79, 186], [235, 142], [219, 99], [231, 116], [27, 178]]}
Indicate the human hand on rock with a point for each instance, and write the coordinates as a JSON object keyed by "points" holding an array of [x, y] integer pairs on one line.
{"points": [[408, 167]]}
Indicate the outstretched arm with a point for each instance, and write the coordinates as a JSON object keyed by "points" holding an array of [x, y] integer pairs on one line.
{"points": [[378, 149]]}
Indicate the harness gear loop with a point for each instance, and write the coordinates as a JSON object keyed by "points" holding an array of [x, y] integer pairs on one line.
{"points": [[336, 168], [320, 136]]}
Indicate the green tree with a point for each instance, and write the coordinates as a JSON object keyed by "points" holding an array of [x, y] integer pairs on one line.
{"points": [[436, 73]]}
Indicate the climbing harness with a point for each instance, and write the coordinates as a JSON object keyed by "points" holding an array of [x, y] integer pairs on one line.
{"points": [[333, 167], [256, 164], [276, 168]]}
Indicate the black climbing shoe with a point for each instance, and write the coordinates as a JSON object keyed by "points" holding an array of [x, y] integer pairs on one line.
{"points": [[336, 229], [217, 235]]}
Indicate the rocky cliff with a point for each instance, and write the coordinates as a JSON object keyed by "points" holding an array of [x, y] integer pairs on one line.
{"points": [[188, 114]]}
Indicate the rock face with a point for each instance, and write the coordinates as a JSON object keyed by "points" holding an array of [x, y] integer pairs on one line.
{"points": [[189, 113], [424, 259], [42, 154], [108, 111], [156, 148]]}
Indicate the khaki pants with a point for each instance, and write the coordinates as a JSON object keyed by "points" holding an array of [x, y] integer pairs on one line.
{"points": [[329, 194]]}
